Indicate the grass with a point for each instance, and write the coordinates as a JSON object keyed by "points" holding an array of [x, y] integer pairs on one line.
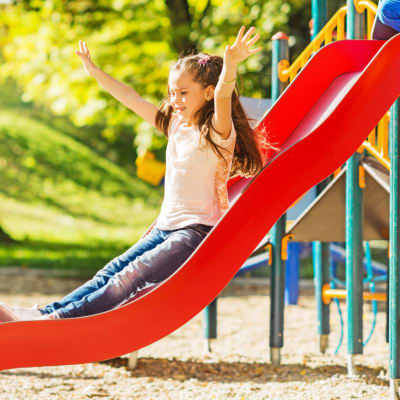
{"points": [[67, 207]]}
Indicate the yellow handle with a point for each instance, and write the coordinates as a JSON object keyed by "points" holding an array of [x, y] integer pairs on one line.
{"points": [[285, 241], [268, 248], [361, 176]]}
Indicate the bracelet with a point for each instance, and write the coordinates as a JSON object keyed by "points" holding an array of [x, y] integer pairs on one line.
{"points": [[230, 81]]}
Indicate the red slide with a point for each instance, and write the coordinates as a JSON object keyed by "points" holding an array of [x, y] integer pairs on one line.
{"points": [[319, 122]]}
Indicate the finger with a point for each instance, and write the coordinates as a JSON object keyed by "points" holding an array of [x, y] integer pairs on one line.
{"points": [[255, 50], [247, 35], [86, 48], [240, 34], [253, 40], [80, 46]]}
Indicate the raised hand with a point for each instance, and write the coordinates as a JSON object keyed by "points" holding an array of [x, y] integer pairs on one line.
{"points": [[84, 55], [241, 49]]}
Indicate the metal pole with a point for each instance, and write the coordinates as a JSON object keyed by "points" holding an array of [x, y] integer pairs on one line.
{"points": [[280, 51], [394, 259], [319, 16], [354, 247], [210, 324], [292, 267], [321, 262], [320, 251], [354, 267], [355, 22]]}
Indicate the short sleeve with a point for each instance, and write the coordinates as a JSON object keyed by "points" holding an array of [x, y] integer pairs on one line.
{"points": [[217, 138], [172, 124]]}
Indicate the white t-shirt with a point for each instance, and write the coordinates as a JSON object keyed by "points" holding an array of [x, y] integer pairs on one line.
{"points": [[195, 186]]}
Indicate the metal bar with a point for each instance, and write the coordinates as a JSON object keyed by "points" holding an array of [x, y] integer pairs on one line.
{"points": [[354, 255], [328, 294], [394, 259], [319, 16], [321, 263], [280, 51], [354, 248], [321, 252], [292, 273], [210, 324]]}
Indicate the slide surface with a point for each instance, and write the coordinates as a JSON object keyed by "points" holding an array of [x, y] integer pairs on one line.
{"points": [[319, 122]]}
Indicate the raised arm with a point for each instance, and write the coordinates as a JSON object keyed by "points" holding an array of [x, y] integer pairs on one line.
{"points": [[234, 54], [124, 94]]}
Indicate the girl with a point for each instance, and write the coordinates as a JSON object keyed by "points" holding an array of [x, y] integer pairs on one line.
{"points": [[209, 141]]}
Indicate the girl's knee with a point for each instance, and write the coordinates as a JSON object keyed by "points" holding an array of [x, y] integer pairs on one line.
{"points": [[130, 279], [389, 12]]}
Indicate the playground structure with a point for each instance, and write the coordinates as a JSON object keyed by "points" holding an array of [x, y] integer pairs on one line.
{"points": [[326, 120], [362, 187], [299, 140], [374, 180], [369, 180]]}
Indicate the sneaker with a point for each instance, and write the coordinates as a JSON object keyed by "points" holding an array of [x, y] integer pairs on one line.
{"points": [[18, 313], [53, 315]]}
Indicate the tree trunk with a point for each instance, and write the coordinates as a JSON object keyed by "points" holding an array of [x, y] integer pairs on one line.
{"points": [[181, 21], [4, 237]]}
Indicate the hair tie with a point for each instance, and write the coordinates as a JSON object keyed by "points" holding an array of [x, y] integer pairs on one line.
{"points": [[204, 60]]}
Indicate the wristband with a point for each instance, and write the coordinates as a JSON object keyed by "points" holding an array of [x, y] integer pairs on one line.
{"points": [[230, 81]]}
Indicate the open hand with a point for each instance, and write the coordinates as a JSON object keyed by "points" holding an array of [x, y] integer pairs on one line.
{"points": [[84, 55], [241, 49]]}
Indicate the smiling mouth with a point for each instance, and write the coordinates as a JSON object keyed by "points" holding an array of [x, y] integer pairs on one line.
{"points": [[180, 108]]}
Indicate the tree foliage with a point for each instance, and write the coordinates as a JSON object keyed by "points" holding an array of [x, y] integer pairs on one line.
{"points": [[135, 42]]}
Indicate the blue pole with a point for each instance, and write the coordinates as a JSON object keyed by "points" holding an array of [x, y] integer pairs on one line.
{"points": [[292, 273]]}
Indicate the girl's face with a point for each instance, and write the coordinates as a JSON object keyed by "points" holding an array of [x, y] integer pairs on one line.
{"points": [[187, 96]]}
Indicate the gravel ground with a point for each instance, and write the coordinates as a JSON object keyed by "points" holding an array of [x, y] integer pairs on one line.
{"points": [[238, 368]]}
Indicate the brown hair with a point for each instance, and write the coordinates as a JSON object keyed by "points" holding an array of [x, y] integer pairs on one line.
{"points": [[251, 144]]}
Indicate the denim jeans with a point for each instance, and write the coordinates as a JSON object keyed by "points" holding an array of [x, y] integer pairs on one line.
{"points": [[151, 260], [389, 13]]}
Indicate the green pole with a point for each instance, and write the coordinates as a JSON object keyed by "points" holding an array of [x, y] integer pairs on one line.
{"points": [[319, 16], [280, 51], [394, 259], [210, 324], [354, 253], [321, 261], [321, 252], [355, 22], [354, 247]]}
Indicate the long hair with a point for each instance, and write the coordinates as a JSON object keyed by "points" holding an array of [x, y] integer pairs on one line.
{"points": [[251, 145]]}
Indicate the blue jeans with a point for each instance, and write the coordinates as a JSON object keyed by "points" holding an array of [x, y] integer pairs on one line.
{"points": [[151, 260], [389, 13]]}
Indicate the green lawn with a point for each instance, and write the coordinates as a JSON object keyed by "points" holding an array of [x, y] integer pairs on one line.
{"points": [[66, 207]]}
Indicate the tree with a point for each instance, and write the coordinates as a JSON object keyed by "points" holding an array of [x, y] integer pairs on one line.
{"points": [[4, 237], [136, 42]]}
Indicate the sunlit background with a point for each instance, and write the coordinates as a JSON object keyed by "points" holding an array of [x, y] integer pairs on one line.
{"points": [[69, 194]]}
